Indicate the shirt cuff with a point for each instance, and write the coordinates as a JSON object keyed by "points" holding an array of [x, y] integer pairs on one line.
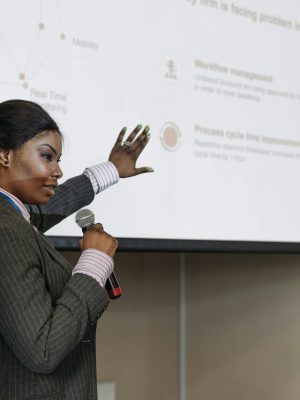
{"points": [[96, 264], [102, 176]]}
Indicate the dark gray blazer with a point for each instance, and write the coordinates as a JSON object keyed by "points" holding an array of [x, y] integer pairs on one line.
{"points": [[47, 317]]}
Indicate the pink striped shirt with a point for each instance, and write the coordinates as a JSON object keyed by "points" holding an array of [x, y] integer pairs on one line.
{"points": [[18, 203], [102, 176]]}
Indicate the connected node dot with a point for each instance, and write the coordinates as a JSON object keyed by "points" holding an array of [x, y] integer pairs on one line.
{"points": [[41, 26], [22, 77], [62, 36]]}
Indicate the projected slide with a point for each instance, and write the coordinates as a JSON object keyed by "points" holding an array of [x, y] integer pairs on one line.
{"points": [[217, 81]]}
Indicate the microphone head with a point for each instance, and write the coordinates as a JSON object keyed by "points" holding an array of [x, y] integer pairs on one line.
{"points": [[85, 218]]}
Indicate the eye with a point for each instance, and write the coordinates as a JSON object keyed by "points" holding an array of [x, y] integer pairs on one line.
{"points": [[47, 156]]}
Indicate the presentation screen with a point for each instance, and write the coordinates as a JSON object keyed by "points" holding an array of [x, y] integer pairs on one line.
{"points": [[217, 81]]}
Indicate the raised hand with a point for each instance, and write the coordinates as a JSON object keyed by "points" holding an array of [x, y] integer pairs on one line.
{"points": [[124, 154]]}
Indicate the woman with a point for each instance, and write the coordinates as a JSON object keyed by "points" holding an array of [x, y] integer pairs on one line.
{"points": [[48, 310]]}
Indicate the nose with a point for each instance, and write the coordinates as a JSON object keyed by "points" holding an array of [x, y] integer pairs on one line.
{"points": [[57, 173]]}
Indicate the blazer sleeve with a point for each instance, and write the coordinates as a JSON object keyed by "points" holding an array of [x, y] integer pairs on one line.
{"points": [[69, 197], [39, 330]]}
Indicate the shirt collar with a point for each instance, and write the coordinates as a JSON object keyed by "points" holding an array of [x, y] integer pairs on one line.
{"points": [[18, 204]]}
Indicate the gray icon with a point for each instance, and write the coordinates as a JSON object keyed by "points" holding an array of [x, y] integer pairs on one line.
{"points": [[170, 70]]}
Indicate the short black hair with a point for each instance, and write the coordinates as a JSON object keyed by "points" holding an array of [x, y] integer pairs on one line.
{"points": [[21, 120]]}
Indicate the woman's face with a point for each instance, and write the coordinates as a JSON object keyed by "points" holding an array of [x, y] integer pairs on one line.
{"points": [[33, 168]]}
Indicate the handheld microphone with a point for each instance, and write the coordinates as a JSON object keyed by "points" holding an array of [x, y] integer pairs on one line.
{"points": [[84, 219]]}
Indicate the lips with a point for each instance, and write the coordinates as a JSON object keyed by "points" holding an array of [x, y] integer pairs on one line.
{"points": [[51, 188]]}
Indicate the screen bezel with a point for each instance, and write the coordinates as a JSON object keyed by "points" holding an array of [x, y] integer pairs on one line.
{"points": [[69, 243]]}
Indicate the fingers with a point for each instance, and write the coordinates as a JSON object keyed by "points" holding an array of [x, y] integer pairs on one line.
{"points": [[133, 134], [81, 244], [143, 170], [143, 137], [126, 151], [120, 137], [96, 238], [139, 144], [98, 226], [136, 147]]}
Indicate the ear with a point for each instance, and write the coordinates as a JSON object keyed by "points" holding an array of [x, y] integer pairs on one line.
{"points": [[4, 157]]}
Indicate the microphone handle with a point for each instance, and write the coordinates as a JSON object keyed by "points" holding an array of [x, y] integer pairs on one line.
{"points": [[112, 285]]}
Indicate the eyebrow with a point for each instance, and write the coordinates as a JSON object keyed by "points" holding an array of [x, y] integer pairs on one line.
{"points": [[51, 147]]}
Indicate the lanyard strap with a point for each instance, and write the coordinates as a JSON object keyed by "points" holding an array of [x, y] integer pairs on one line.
{"points": [[11, 202]]}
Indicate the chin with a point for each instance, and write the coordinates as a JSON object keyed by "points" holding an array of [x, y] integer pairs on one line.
{"points": [[45, 201], [38, 201]]}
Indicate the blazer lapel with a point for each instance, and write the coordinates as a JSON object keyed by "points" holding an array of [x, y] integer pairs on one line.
{"points": [[56, 269]]}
